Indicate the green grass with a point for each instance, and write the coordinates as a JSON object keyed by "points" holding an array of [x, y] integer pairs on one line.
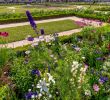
{"points": [[20, 33], [24, 8]]}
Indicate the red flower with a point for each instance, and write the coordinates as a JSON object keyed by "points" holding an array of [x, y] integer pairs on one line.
{"points": [[4, 34], [108, 46]]}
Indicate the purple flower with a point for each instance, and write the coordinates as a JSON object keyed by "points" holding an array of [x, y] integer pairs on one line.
{"points": [[29, 95], [31, 20], [30, 0], [42, 31], [81, 24], [30, 38], [100, 59], [103, 79], [36, 71]]}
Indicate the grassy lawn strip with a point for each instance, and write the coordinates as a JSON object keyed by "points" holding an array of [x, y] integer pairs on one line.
{"points": [[20, 33]]}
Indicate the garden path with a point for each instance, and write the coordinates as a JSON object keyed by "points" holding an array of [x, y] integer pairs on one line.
{"points": [[47, 38], [42, 21]]}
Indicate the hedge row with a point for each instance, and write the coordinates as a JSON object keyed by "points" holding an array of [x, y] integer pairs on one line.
{"points": [[13, 18]]}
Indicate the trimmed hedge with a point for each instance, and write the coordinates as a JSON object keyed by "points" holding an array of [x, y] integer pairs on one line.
{"points": [[104, 8], [19, 17]]}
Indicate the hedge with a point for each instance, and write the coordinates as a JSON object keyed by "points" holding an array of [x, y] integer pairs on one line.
{"points": [[38, 15]]}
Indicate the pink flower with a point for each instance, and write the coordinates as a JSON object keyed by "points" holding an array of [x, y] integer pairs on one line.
{"points": [[4, 34], [85, 67], [96, 87]]}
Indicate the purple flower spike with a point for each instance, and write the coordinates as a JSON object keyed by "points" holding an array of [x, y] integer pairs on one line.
{"points": [[31, 20], [42, 31], [35, 71], [30, 38]]}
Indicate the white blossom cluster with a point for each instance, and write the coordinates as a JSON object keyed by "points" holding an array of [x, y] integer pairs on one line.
{"points": [[78, 72]]}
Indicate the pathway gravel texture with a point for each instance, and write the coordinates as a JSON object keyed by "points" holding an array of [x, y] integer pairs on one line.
{"points": [[26, 42], [42, 21], [36, 40]]}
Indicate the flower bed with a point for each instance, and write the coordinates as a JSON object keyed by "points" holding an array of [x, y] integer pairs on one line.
{"points": [[77, 68]]}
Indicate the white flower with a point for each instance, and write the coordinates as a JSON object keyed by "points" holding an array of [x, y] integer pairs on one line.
{"points": [[106, 12], [50, 96], [39, 95], [105, 67], [107, 63], [77, 48], [27, 52], [82, 69], [5, 73], [88, 92], [52, 56], [43, 86], [55, 58], [47, 39], [41, 38], [83, 57], [75, 63], [33, 96], [29, 90], [36, 96], [51, 78]]}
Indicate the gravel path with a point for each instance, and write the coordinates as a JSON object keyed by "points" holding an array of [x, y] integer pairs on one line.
{"points": [[40, 21], [47, 37]]}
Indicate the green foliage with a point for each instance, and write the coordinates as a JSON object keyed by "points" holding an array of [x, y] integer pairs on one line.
{"points": [[3, 57], [6, 93], [104, 8], [62, 60], [43, 14]]}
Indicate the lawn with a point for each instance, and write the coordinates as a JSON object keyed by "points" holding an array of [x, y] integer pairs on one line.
{"points": [[32, 8], [20, 33]]}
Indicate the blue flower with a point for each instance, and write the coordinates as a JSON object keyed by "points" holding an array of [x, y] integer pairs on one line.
{"points": [[42, 31], [103, 79], [30, 38], [35, 71], [29, 95], [100, 59], [31, 20]]}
